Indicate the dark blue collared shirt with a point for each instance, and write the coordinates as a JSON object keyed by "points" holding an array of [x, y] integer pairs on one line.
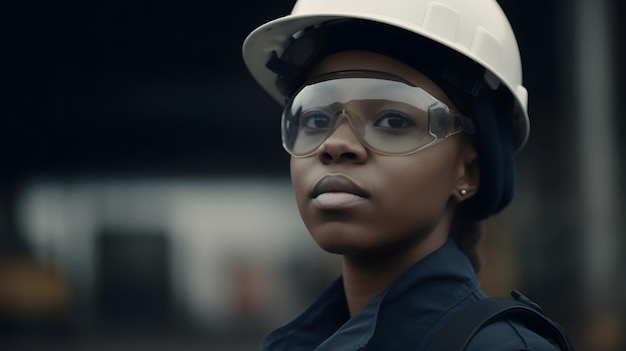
{"points": [[405, 316]]}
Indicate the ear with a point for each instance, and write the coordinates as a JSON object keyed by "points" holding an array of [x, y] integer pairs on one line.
{"points": [[467, 175]]}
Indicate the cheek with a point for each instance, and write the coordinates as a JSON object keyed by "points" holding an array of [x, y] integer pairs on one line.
{"points": [[299, 173], [421, 188]]}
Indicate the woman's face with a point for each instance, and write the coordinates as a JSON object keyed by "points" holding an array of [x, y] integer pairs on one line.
{"points": [[355, 201]]}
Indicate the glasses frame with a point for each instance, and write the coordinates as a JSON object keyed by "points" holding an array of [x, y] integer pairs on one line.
{"points": [[459, 122]]}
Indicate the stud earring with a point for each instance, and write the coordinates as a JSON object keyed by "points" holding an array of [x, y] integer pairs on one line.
{"points": [[463, 192]]}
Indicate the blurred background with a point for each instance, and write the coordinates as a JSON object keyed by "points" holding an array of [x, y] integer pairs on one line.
{"points": [[145, 198]]}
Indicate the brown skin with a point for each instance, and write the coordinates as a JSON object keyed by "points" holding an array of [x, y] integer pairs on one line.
{"points": [[410, 199]]}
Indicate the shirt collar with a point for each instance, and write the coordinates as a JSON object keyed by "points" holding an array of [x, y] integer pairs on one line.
{"points": [[408, 309]]}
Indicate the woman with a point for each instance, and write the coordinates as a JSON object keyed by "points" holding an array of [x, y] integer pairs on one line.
{"points": [[402, 128]]}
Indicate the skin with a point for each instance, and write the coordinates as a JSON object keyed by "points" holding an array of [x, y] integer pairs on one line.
{"points": [[410, 201]]}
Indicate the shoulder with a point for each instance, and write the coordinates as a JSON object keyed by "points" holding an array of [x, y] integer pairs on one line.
{"points": [[508, 335]]}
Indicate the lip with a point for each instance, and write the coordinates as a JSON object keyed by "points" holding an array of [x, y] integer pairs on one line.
{"points": [[337, 183]]}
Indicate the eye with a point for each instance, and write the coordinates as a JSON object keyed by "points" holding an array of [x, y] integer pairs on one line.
{"points": [[393, 120], [316, 120]]}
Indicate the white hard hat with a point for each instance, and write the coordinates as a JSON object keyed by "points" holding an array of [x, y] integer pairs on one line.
{"points": [[477, 29]]}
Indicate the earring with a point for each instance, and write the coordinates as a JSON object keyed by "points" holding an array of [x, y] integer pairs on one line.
{"points": [[463, 192]]}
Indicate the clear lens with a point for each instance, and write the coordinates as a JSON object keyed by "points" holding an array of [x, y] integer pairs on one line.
{"points": [[388, 116]]}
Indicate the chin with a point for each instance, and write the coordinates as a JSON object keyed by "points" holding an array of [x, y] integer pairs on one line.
{"points": [[350, 243], [340, 238], [367, 245]]}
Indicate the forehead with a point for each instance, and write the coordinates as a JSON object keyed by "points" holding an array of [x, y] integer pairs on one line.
{"points": [[366, 60]]}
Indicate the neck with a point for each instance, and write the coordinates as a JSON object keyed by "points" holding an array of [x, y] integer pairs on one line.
{"points": [[365, 276]]}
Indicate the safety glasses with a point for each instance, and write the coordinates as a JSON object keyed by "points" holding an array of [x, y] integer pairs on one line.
{"points": [[388, 115]]}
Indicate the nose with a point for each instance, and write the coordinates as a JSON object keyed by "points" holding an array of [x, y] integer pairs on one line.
{"points": [[342, 146]]}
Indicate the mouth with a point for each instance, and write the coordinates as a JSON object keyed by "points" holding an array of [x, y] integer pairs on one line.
{"points": [[337, 184]]}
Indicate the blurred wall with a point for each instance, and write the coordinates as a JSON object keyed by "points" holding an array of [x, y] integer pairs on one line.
{"points": [[213, 230]]}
